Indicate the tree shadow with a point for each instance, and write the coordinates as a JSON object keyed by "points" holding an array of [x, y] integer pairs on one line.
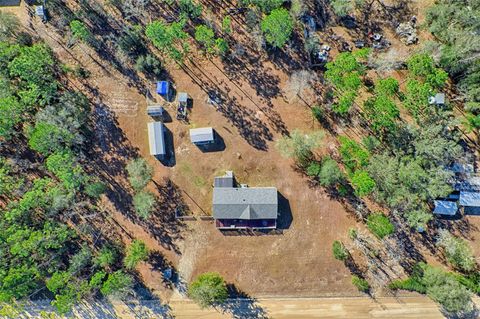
{"points": [[241, 306]]}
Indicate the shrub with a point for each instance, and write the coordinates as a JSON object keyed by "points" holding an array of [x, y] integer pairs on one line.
{"points": [[318, 113], [150, 65], [457, 251], [277, 27], [189, 8], [95, 189], [380, 225], [144, 203], [47, 138], [206, 37], [168, 38], [360, 283], [410, 284], [106, 257], [299, 146], [342, 7], [118, 284], [9, 25], [227, 25], [136, 252], [80, 31], [208, 289], [330, 174], [354, 156], [313, 169], [139, 173], [63, 164], [131, 42], [362, 183], [339, 251]]}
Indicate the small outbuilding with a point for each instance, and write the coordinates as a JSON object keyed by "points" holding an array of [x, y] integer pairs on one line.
{"points": [[155, 111], [437, 99], [41, 12], [203, 135], [470, 202], [164, 88], [444, 207], [156, 139]]}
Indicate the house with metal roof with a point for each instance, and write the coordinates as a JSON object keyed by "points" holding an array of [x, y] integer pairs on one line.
{"points": [[445, 207], [203, 135], [155, 111], [243, 207], [470, 202], [156, 139], [437, 99]]}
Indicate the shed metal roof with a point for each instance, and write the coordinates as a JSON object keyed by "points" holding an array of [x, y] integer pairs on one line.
{"points": [[471, 199], [156, 138], [245, 203], [203, 134], [224, 181], [443, 207], [155, 110], [182, 97]]}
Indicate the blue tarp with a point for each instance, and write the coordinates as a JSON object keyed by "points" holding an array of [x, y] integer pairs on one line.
{"points": [[470, 199], [162, 87], [443, 207]]}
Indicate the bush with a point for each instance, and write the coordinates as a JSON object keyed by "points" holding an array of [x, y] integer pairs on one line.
{"points": [[149, 65], [299, 146], [362, 183], [227, 25], [136, 252], [95, 189], [339, 251], [206, 37], [9, 25], [313, 169], [277, 27], [380, 225], [410, 284], [144, 203], [64, 166], [131, 42], [80, 31], [317, 113], [457, 251], [360, 283], [208, 289], [189, 8], [354, 156], [47, 138], [330, 174], [106, 257], [118, 284], [139, 173]]}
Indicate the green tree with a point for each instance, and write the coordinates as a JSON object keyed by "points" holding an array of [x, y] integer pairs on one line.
{"points": [[362, 182], [144, 203], [136, 252], [9, 25], [106, 257], [81, 259], [380, 225], [206, 37], [388, 87], [131, 42], [190, 8], [118, 284], [139, 173], [360, 283], [10, 115], [80, 31], [313, 169], [95, 189], [382, 113], [299, 146], [208, 289], [354, 156], [96, 280], [342, 7], [423, 67], [47, 138], [457, 251], [150, 65], [330, 174], [277, 27], [227, 25], [8, 182], [168, 38], [339, 251], [63, 164]]}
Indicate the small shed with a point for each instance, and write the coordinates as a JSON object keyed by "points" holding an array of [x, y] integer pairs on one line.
{"points": [[470, 199], [156, 139], [204, 135], [41, 12], [444, 207], [227, 180], [155, 110], [437, 99], [164, 88]]}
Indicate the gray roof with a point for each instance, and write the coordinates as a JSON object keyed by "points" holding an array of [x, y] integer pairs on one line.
{"points": [[438, 98], [443, 207], [156, 138], [224, 181], [471, 199], [245, 203], [203, 134], [182, 97], [155, 110]]}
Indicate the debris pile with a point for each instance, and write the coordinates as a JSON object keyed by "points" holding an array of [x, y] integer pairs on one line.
{"points": [[407, 31]]}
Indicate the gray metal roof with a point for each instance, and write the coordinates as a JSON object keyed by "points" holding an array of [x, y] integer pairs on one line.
{"points": [[182, 97], [203, 134], [224, 181], [155, 110], [156, 138], [471, 199], [245, 203], [443, 207]]}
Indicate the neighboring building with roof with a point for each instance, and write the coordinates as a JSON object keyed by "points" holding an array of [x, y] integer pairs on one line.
{"points": [[155, 111], [470, 202], [445, 207], [156, 139], [203, 135], [243, 207], [437, 99], [164, 88]]}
